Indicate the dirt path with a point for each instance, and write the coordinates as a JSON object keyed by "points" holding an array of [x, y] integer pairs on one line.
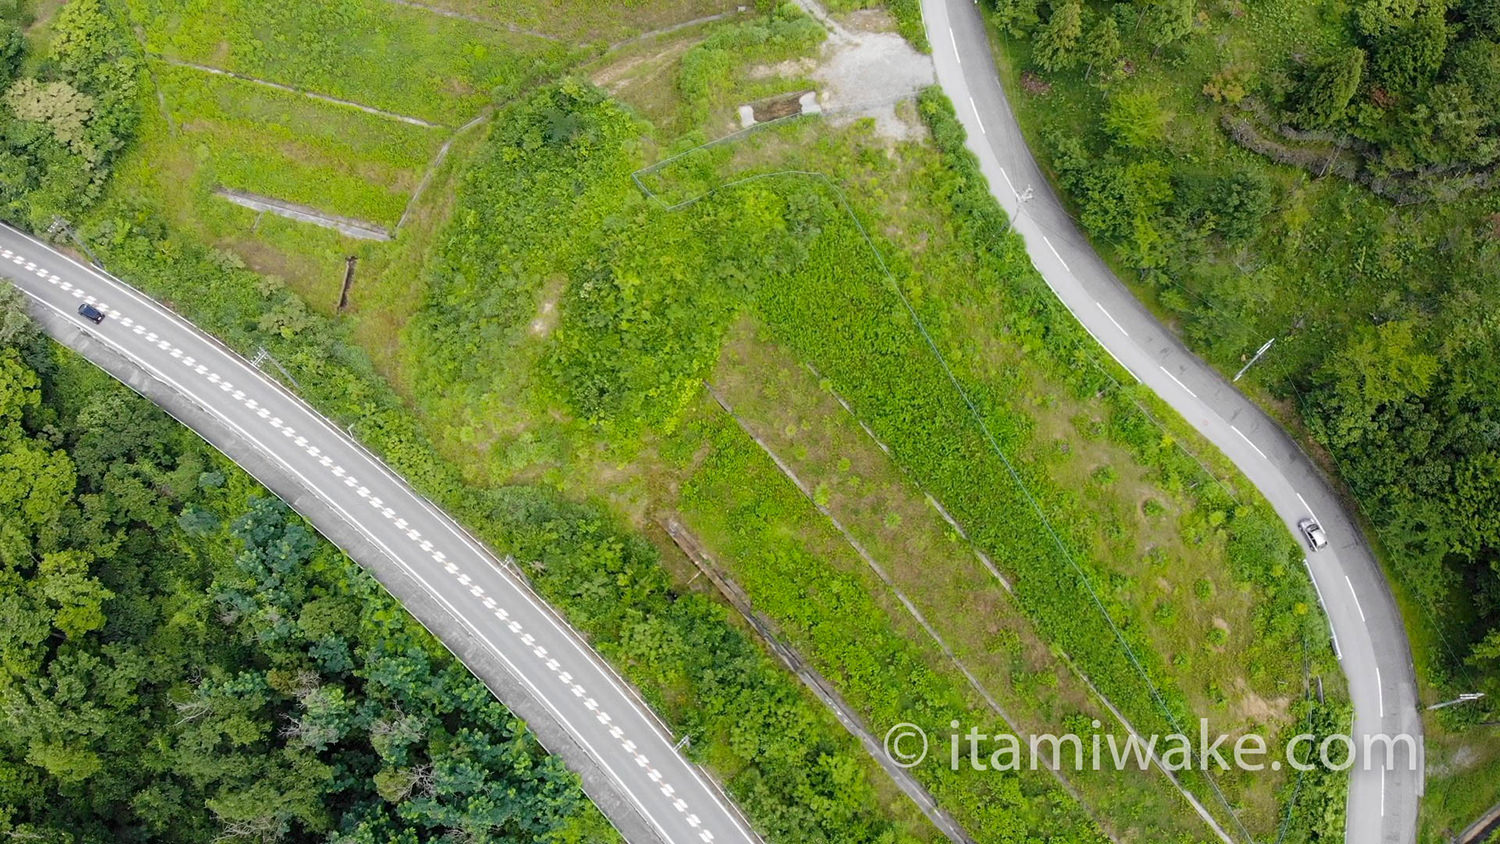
{"points": [[864, 73], [668, 30], [437, 162]]}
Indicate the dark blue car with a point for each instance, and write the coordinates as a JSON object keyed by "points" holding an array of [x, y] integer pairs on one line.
{"points": [[91, 313]]}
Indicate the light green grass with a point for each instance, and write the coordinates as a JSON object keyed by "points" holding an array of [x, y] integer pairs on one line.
{"points": [[283, 145], [588, 21], [1456, 764], [802, 422], [379, 54]]}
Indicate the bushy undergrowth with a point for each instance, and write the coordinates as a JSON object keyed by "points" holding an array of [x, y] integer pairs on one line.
{"points": [[647, 293]]}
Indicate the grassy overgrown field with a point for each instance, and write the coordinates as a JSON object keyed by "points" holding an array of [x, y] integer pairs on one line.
{"points": [[1383, 359], [551, 329], [397, 58], [611, 336], [587, 22]]}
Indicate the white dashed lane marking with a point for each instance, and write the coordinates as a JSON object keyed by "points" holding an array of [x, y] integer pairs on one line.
{"points": [[1056, 254], [1356, 598], [526, 638], [1179, 383], [1116, 322], [1248, 442]]}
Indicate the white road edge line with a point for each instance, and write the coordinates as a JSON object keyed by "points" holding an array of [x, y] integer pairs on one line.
{"points": [[1179, 383], [1249, 443], [1356, 598], [1111, 318], [954, 41], [977, 117], [1380, 696]]}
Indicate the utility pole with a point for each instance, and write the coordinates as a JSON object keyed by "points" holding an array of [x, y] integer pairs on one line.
{"points": [[1463, 698], [1259, 353], [261, 356], [61, 226]]}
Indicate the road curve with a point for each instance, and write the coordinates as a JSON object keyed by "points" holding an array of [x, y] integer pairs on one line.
{"points": [[537, 665], [1366, 622]]}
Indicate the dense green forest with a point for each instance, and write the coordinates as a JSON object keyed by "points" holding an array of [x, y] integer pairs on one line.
{"points": [[1373, 255], [185, 660]]}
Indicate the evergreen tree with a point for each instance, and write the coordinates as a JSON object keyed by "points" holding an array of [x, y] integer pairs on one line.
{"points": [[1326, 95], [1167, 22], [1104, 50], [1135, 118], [1057, 43], [1406, 60], [1483, 17]]}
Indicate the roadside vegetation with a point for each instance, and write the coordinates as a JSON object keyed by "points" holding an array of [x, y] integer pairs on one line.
{"points": [[1323, 174], [549, 328]]}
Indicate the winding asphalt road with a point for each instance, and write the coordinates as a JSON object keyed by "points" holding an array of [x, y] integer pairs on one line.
{"points": [[536, 664], [1367, 627]]}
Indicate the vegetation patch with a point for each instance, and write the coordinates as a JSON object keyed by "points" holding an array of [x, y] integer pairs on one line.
{"points": [[589, 22], [280, 144], [397, 58], [649, 298]]}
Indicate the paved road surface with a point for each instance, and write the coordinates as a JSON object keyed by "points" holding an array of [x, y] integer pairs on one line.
{"points": [[1375, 655], [538, 666]]}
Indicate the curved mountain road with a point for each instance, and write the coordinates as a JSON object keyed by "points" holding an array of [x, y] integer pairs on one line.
{"points": [[1367, 625], [536, 664]]}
